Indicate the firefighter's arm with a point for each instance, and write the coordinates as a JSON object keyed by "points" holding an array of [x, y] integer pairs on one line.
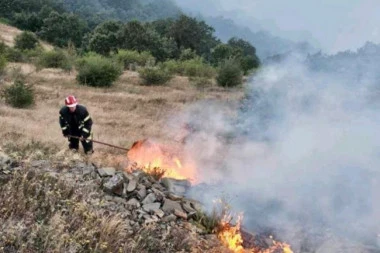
{"points": [[64, 126], [87, 124]]}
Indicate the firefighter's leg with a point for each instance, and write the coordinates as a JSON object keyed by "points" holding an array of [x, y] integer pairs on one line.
{"points": [[87, 145], [73, 143]]}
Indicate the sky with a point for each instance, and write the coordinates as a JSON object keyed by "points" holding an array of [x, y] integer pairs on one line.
{"points": [[332, 25]]}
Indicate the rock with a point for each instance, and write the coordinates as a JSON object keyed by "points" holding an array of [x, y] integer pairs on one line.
{"points": [[114, 185], [174, 197], [158, 187], [149, 199], [169, 218], [187, 207], [88, 170], [107, 172], [128, 176], [4, 159], [180, 214], [195, 205], [148, 219], [159, 195], [133, 204], [178, 187], [132, 185], [40, 164], [170, 205], [141, 194], [152, 207], [159, 213]]}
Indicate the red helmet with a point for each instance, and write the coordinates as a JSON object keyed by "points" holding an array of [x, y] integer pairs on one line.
{"points": [[71, 101]]}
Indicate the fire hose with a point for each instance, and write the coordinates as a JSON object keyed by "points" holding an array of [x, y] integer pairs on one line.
{"points": [[103, 143]]}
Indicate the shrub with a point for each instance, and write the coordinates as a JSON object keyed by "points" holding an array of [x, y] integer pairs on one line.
{"points": [[249, 63], [229, 74], [3, 48], [187, 54], [196, 67], [173, 67], [193, 68], [128, 57], [97, 71], [26, 40], [54, 59], [154, 75], [15, 55], [19, 95], [3, 63]]}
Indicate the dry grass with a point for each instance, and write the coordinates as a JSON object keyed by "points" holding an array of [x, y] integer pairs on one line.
{"points": [[122, 114], [46, 211], [8, 34]]}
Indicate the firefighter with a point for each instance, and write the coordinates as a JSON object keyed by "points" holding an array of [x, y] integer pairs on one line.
{"points": [[76, 121]]}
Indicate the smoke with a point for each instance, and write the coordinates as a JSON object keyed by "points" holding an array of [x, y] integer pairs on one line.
{"points": [[332, 25], [300, 156]]}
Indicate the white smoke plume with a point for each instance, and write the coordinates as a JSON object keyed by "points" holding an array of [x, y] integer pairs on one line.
{"points": [[302, 155]]}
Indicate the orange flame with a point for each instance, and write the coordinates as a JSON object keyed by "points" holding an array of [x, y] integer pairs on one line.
{"points": [[232, 238], [149, 155], [230, 235]]}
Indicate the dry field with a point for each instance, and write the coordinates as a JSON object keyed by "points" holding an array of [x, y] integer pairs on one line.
{"points": [[122, 114], [8, 33]]}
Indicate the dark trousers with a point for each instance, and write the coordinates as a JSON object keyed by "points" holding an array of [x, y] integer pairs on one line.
{"points": [[74, 144]]}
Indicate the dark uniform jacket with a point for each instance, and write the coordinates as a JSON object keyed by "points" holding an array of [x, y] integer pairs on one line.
{"points": [[77, 123]]}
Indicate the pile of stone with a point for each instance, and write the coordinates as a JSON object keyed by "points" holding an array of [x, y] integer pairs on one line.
{"points": [[146, 199], [7, 166]]}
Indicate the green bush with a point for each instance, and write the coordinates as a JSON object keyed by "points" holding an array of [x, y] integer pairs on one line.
{"points": [[154, 75], [97, 71], [187, 54], [3, 63], [19, 95], [3, 48], [230, 74], [128, 57], [54, 59], [15, 55], [196, 67], [193, 68], [173, 67], [26, 40]]}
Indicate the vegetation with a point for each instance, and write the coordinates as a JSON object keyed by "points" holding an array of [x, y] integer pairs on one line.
{"points": [[229, 74], [97, 71], [26, 41], [19, 95], [194, 68], [128, 57], [120, 27], [55, 59], [154, 75], [3, 63], [15, 55]]}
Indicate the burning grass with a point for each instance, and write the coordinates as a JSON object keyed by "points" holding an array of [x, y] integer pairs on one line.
{"points": [[159, 161]]}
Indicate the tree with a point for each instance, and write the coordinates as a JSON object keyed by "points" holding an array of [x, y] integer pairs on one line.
{"points": [[142, 37], [59, 29], [247, 48], [196, 35], [221, 52], [246, 53], [106, 37]]}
